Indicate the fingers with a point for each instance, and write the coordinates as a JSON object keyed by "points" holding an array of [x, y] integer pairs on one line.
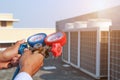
{"points": [[18, 43], [18, 56], [27, 51], [41, 64], [5, 65], [15, 60], [13, 64]]}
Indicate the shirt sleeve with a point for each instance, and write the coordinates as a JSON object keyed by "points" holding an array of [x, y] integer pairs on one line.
{"points": [[23, 76]]}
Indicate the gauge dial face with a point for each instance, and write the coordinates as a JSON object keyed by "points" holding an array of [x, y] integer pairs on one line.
{"points": [[55, 37], [36, 38]]}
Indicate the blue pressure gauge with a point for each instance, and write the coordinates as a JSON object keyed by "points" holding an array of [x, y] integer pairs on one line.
{"points": [[37, 39]]}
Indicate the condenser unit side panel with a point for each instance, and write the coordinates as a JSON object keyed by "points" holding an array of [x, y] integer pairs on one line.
{"points": [[104, 53], [88, 51], [115, 55], [74, 47], [65, 49]]}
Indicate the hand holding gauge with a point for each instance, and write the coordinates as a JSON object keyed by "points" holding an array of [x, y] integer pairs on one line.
{"points": [[43, 44]]}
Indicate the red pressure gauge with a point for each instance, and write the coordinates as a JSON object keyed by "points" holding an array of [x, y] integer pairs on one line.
{"points": [[56, 41], [58, 37]]}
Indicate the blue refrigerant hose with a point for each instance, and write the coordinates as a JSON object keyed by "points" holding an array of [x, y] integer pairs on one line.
{"points": [[34, 40], [20, 51]]}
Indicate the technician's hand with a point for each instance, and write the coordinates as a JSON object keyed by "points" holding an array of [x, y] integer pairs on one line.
{"points": [[8, 64], [30, 63], [11, 52], [10, 57]]}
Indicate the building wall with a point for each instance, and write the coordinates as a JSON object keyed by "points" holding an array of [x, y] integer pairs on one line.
{"points": [[14, 34], [8, 36], [6, 16], [10, 24], [3, 46]]}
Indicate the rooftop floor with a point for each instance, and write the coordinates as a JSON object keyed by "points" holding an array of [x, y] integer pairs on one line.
{"points": [[60, 73]]}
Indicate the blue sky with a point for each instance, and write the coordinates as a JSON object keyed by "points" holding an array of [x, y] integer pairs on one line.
{"points": [[44, 13]]}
